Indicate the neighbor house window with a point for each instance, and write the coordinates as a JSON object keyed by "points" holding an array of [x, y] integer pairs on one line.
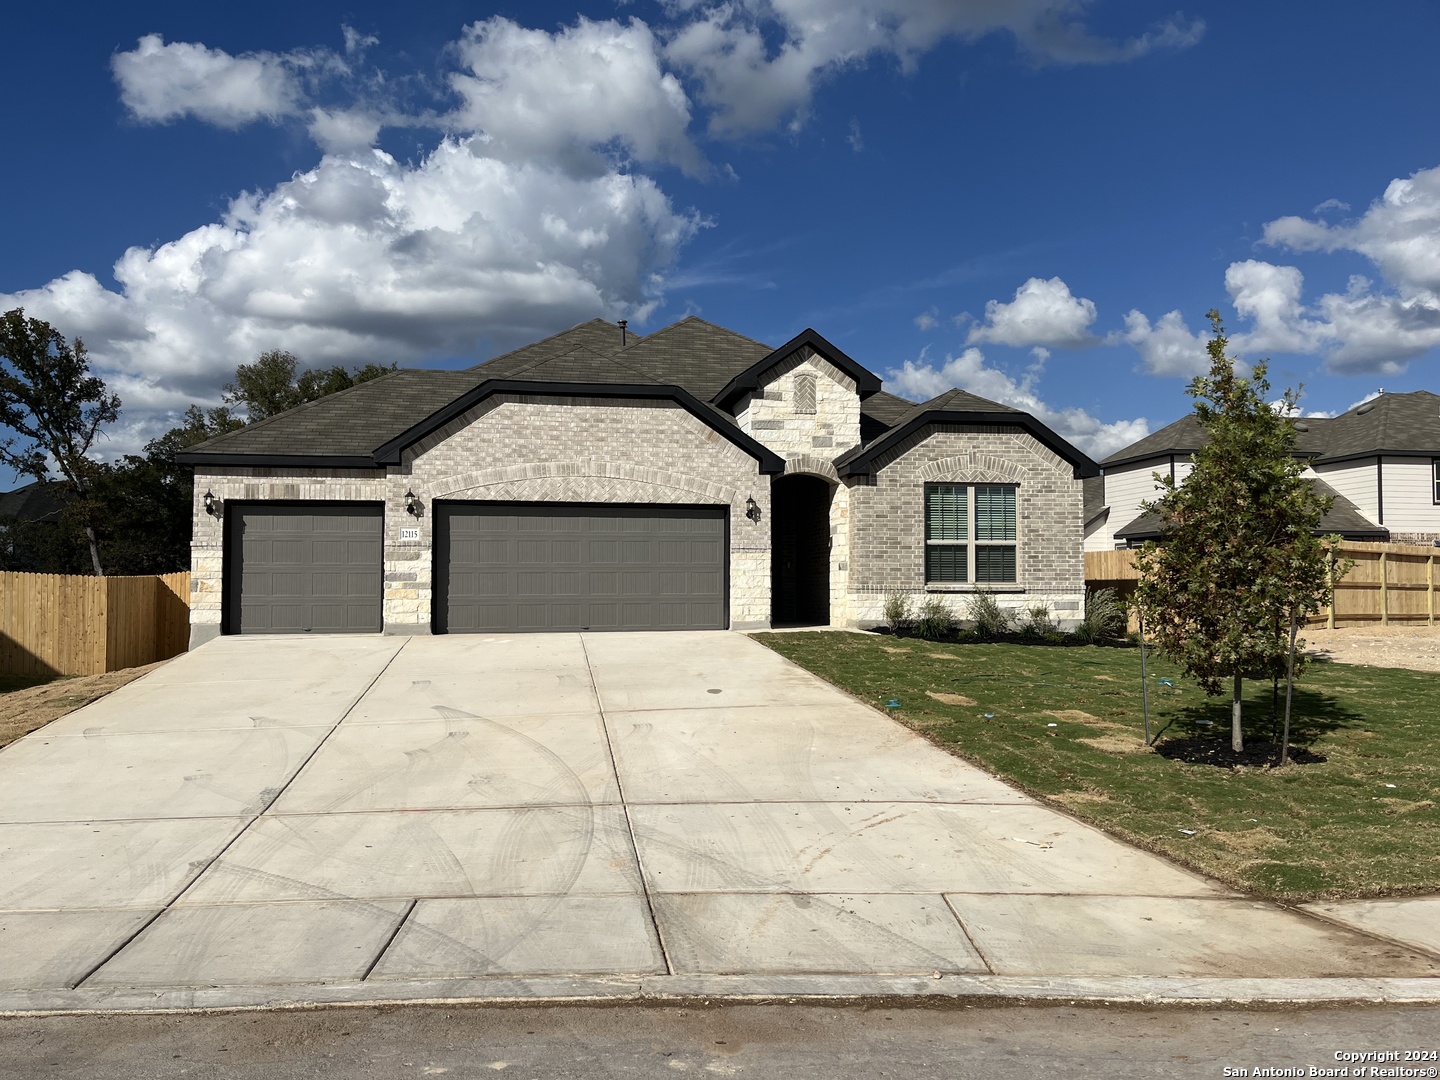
{"points": [[805, 394], [1435, 477], [970, 533]]}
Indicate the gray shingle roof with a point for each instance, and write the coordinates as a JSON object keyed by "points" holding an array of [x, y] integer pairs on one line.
{"points": [[1392, 423], [1343, 517], [350, 423], [597, 335], [40, 500], [696, 355]]}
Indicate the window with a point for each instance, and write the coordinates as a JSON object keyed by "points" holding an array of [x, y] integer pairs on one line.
{"points": [[805, 394], [961, 546], [1435, 476]]}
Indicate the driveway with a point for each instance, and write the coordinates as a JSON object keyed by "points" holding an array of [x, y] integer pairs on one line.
{"points": [[297, 811]]}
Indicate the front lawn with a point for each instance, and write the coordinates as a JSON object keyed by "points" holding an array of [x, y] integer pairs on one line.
{"points": [[1065, 725]]}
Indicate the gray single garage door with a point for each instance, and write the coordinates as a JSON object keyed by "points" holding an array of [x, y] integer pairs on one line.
{"points": [[300, 567], [528, 566]]}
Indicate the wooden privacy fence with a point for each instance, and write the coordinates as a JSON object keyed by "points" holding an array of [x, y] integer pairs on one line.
{"points": [[66, 624], [1390, 584]]}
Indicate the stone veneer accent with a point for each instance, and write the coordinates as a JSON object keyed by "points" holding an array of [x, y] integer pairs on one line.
{"points": [[887, 519], [513, 448], [810, 441]]}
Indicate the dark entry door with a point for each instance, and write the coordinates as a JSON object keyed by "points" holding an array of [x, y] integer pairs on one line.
{"points": [[800, 550], [529, 566], [304, 567]]}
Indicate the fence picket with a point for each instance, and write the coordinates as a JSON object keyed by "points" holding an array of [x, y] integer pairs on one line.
{"points": [[54, 624]]}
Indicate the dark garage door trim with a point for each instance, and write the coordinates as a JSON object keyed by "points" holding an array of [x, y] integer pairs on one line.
{"points": [[232, 556], [444, 509]]}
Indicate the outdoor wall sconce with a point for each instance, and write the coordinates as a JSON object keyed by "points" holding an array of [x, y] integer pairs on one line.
{"points": [[212, 504], [412, 504], [752, 509]]}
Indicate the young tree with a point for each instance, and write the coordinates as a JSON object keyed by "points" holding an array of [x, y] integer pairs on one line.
{"points": [[50, 399], [1239, 553], [269, 386]]}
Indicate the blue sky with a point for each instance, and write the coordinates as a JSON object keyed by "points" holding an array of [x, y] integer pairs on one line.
{"points": [[1036, 200]]}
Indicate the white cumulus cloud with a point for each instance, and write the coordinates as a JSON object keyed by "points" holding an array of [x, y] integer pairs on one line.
{"points": [[1167, 346], [1365, 329], [366, 258], [559, 96], [160, 82], [922, 379], [1043, 313], [758, 61]]}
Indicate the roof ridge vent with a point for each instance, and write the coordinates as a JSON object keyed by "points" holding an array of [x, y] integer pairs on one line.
{"points": [[1363, 409]]}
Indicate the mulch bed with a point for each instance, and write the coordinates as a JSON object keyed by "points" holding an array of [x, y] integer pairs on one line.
{"points": [[1208, 750]]}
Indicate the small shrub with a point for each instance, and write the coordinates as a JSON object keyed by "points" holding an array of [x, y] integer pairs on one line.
{"points": [[935, 621], [898, 614], [1038, 622], [988, 619], [1104, 618]]}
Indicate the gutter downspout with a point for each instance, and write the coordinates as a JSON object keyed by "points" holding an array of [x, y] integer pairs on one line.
{"points": [[1379, 491]]}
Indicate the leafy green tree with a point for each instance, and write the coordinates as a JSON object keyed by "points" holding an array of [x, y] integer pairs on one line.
{"points": [[1239, 554], [270, 385], [50, 399]]}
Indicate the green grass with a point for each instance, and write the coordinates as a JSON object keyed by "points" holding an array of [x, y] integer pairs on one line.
{"points": [[1330, 829]]}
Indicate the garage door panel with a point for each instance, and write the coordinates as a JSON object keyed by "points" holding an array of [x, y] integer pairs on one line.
{"points": [[305, 568], [577, 567]]}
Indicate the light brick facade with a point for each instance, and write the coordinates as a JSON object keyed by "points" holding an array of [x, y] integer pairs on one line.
{"points": [[515, 449], [584, 450], [887, 520]]}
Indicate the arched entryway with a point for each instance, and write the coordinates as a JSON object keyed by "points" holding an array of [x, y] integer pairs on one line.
{"points": [[800, 551]]}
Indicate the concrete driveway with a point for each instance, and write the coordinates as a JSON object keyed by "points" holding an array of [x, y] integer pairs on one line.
{"points": [[319, 810]]}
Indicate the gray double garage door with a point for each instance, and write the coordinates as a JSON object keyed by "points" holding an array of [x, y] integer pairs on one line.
{"points": [[499, 567]]}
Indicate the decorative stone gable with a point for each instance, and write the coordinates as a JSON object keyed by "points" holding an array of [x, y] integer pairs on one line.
{"points": [[805, 407]]}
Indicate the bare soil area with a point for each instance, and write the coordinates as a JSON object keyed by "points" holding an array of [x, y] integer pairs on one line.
{"points": [[1413, 647], [23, 711]]}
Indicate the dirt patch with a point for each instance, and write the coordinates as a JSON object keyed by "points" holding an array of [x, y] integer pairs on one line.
{"points": [[23, 711], [1077, 716], [950, 699], [1248, 842], [892, 650], [1105, 678], [1413, 647], [940, 656], [1115, 743], [1401, 806], [1078, 798]]}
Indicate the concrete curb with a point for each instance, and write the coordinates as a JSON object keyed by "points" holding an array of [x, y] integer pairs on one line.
{"points": [[730, 989]]}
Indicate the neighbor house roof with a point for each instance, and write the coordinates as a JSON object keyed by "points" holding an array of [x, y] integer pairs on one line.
{"points": [[40, 500], [1389, 424], [1343, 517], [959, 407]]}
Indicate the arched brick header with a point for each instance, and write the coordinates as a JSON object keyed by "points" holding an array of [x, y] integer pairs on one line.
{"points": [[973, 468], [593, 470], [814, 466]]}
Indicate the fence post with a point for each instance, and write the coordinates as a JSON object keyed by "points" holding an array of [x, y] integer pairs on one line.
{"points": [[1330, 583], [1384, 590], [1430, 588]]}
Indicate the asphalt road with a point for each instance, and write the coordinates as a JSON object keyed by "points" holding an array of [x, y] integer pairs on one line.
{"points": [[786, 1041]]}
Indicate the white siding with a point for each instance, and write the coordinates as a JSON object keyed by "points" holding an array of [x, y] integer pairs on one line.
{"points": [[1409, 496], [1125, 489], [1356, 481], [1182, 469]]}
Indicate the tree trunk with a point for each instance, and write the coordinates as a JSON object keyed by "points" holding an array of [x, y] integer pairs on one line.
{"points": [[1289, 690], [94, 550], [1237, 737]]}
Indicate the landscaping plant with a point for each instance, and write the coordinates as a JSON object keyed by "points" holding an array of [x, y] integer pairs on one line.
{"points": [[898, 614], [1238, 553], [935, 621], [988, 620]]}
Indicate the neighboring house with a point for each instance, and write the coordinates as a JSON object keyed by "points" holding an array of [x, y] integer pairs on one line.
{"points": [[27, 515], [693, 478], [1380, 461]]}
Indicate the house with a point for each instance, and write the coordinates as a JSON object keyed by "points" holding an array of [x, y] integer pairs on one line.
{"points": [[1380, 461], [599, 479], [29, 518]]}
